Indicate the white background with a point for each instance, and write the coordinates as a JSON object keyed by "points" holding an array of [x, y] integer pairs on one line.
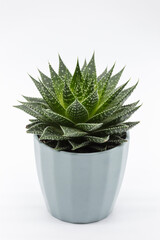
{"points": [[32, 33]]}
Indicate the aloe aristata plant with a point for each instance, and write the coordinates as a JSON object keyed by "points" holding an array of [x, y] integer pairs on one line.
{"points": [[81, 113]]}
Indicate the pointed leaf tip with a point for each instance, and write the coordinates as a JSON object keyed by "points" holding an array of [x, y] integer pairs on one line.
{"points": [[77, 112], [72, 132], [63, 70], [76, 82]]}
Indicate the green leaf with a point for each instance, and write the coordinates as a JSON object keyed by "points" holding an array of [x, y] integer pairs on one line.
{"points": [[31, 111], [68, 96], [51, 133], [117, 141], [122, 97], [58, 83], [112, 83], [91, 101], [33, 123], [34, 99], [72, 132], [103, 82], [33, 120], [38, 105], [91, 70], [57, 118], [77, 112], [90, 78], [88, 86], [84, 66], [77, 145], [131, 124], [89, 127], [101, 117], [37, 108], [37, 128], [115, 93], [47, 81], [111, 97], [122, 114], [113, 130], [102, 74], [97, 139], [63, 71], [118, 129], [48, 97], [76, 82]]}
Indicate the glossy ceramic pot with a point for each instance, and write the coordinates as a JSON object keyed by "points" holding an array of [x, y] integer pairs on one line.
{"points": [[80, 187]]}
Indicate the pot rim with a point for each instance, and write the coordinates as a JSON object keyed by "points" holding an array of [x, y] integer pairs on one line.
{"points": [[85, 154]]}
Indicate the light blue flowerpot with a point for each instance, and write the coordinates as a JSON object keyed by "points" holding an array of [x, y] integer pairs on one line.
{"points": [[80, 187]]}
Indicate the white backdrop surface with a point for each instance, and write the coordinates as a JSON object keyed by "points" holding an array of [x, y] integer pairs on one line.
{"points": [[33, 33]]}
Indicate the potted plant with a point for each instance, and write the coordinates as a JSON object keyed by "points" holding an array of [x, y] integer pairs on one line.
{"points": [[81, 139]]}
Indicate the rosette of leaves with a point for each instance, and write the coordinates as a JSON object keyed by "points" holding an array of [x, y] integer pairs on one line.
{"points": [[80, 112]]}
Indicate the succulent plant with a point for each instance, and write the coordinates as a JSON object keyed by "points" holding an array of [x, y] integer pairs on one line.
{"points": [[80, 113]]}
